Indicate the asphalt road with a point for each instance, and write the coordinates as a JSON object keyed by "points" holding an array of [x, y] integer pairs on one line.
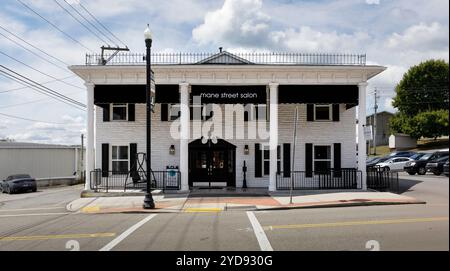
{"points": [[39, 221]]}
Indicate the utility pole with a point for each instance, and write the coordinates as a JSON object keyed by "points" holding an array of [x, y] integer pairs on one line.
{"points": [[374, 139]]}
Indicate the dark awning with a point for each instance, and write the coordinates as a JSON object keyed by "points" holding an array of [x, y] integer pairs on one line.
{"points": [[104, 94], [319, 94], [230, 94]]}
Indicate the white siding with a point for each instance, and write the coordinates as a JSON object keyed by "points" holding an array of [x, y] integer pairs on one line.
{"points": [[38, 162], [124, 133]]}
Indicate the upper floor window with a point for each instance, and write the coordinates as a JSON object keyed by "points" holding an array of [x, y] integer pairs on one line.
{"points": [[119, 112], [323, 112]]}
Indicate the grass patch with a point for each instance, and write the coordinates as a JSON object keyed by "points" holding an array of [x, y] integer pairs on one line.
{"points": [[422, 145]]}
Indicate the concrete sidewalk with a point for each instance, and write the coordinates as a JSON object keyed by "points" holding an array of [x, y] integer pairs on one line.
{"points": [[174, 203]]}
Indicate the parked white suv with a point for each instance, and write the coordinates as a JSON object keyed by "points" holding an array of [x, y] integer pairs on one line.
{"points": [[394, 164]]}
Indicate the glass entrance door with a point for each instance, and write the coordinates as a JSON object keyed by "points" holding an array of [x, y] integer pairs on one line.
{"points": [[211, 163]]}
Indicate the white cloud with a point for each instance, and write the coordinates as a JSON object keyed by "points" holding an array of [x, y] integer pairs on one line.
{"points": [[388, 105], [373, 2], [237, 21], [309, 40], [420, 37]]}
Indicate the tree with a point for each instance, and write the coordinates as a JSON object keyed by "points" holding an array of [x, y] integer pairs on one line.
{"points": [[422, 101]]}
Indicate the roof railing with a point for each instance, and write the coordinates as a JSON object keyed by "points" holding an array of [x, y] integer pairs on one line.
{"points": [[224, 58]]}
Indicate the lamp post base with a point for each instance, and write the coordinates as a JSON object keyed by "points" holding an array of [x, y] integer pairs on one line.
{"points": [[148, 202]]}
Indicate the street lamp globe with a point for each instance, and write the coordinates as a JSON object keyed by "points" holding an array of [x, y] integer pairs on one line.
{"points": [[148, 33]]}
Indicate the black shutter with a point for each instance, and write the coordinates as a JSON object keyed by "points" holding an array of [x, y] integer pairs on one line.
{"points": [[309, 112], [335, 112], [286, 160], [105, 160], [258, 161], [106, 112], [309, 159], [337, 160], [131, 112], [133, 165], [164, 112]]}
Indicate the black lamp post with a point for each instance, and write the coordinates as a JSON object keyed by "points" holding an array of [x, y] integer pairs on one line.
{"points": [[148, 200]]}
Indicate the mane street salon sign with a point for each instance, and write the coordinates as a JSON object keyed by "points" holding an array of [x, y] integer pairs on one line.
{"points": [[230, 94]]}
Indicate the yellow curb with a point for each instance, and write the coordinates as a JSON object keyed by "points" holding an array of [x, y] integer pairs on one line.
{"points": [[90, 209], [203, 210]]}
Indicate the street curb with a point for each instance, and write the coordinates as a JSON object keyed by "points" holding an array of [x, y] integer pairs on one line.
{"points": [[278, 208], [337, 205]]}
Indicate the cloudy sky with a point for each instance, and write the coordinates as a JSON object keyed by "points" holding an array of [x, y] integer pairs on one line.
{"points": [[393, 33]]}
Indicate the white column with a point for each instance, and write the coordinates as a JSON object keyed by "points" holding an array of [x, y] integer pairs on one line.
{"points": [[361, 138], [90, 151], [273, 141], [184, 136]]}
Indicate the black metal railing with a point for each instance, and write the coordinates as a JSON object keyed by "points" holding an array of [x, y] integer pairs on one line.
{"points": [[323, 180], [236, 58], [107, 181], [382, 180]]}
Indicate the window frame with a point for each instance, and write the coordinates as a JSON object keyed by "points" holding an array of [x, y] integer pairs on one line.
{"points": [[115, 105], [266, 147], [330, 112], [118, 159], [322, 160]]}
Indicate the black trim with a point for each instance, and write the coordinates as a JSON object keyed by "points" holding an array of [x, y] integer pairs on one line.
{"points": [[133, 165], [318, 94], [131, 112], [164, 112], [105, 159], [286, 160], [335, 112], [337, 159], [259, 90], [258, 161], [308, 159], [309, 112], [106, 112], [134, 94]]}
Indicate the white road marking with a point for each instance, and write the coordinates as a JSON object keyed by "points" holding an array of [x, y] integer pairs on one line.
{"points": [[264, 243], [126, 233], [36, 214], [31, 209]]}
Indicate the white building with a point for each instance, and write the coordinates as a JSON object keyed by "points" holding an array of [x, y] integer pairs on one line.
{"points": [[252, 98], [41, 161]]}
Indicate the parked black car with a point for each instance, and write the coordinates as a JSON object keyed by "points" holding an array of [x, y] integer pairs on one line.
{"points": [[437, 166], [18, 183], [445, 169], [419, 166]]}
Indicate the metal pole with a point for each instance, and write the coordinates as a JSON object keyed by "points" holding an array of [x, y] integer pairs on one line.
{"points": [[375, 124], [293, 154], [148, 200], [81, 159]]}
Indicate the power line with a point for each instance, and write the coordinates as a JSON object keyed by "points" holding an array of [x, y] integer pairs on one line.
{"points": [[46, 60], [76, 19], [23, 80], [48, 90], [32, 120], [88, 21], [52, 24], [42, 83], [43, 73], [2, 73], [104, 27], [42, 51], [29, 102]]}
